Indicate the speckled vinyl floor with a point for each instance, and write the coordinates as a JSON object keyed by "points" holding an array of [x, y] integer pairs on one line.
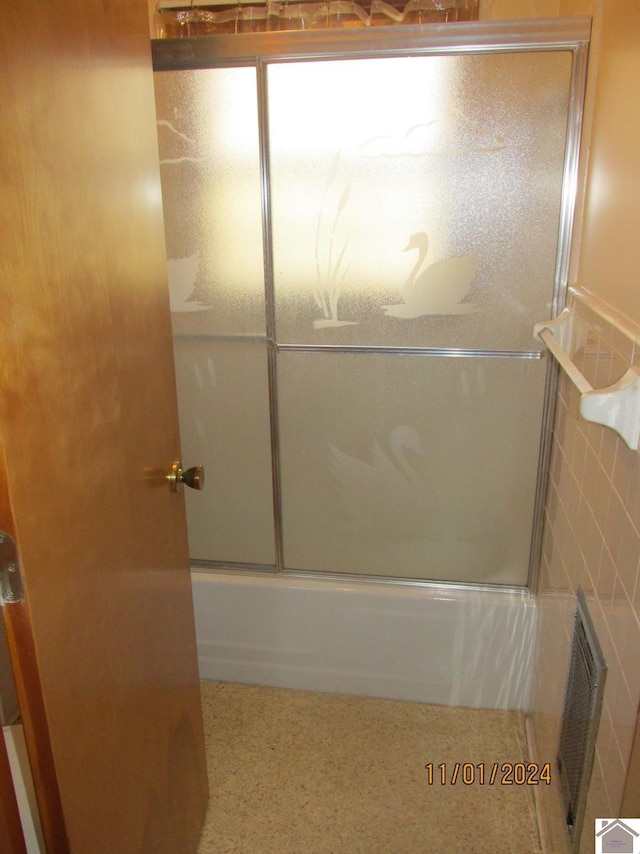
{"points": [[296, 772]]}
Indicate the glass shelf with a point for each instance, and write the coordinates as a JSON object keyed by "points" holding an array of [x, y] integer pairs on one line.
{"points": [[180, 20]]}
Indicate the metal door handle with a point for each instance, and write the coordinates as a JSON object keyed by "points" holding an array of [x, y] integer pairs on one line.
{"points": [[193, 477]]}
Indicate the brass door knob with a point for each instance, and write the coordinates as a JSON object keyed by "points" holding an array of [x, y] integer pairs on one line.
{"points": [[193, 477]]}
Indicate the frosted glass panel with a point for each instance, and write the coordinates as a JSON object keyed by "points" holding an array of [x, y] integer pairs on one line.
{"points": [[409, 466], [415, 200], [224, 424], [409, 201], [210, 169]]}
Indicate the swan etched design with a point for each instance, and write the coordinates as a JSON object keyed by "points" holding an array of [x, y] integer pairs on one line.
{"points": [[384, 497], [182, 273], [439, 288], [384, 469]]}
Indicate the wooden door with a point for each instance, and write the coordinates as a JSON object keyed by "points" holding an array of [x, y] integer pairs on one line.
{"points": [[104, 642]]}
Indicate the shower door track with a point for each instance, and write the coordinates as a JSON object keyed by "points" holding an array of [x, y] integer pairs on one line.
{"points": [[258, 50], [201, 52], [221, 567]]}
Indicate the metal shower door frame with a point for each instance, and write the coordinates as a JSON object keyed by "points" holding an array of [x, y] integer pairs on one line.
{"points": [[259, 51]]}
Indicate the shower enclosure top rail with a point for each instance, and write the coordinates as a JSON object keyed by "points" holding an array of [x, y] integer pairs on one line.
{"points": [[477, 37]]}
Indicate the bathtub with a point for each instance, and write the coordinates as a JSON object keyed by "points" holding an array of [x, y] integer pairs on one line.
{"points": [[437, 644]]}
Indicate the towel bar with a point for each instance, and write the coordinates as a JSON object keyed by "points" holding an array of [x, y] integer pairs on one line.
{"points": [[617, 406]]}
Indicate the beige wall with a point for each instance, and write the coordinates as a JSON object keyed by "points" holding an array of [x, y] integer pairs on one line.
{"points": [[496, 10], [592, 519], [609, 258]]}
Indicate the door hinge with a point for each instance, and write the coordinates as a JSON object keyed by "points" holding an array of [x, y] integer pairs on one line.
{"points": [[10, 577]]}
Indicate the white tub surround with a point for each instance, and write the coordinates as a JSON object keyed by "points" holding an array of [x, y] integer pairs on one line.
{"points": [[433, 644]]}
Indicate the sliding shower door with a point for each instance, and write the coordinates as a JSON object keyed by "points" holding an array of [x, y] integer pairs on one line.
{"points": [[358, 249], [210, 166]]}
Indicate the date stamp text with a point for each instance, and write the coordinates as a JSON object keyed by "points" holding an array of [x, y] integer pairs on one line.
{"points": [[488, 774]]}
